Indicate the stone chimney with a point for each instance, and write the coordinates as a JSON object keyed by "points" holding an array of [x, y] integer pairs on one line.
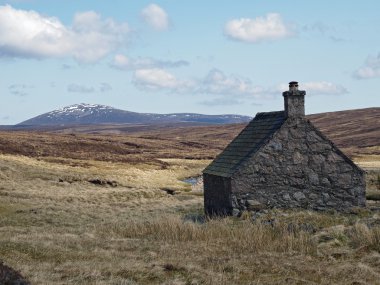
{"points": [[294, 101]]}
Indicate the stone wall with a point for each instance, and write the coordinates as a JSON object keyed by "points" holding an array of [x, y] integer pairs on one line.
{"points": [[217, 195], [294, 103], [298, 168]]}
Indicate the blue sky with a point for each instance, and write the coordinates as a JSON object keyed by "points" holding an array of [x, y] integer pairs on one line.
{"points": [[212, 57]]}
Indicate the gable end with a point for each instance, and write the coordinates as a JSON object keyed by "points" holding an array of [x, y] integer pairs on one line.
{"points": [[336, 149]]}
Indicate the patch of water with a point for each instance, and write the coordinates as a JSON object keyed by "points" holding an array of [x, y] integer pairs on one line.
{"points": [[195, 182], [191, 180]]}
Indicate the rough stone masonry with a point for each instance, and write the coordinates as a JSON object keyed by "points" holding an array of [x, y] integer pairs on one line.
{"points": [[281, 160]]}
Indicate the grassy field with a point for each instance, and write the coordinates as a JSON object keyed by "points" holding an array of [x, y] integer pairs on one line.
{"points": [[92, 207], [85, 221]]}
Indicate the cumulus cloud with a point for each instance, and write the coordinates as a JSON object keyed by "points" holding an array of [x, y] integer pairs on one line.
{"points": [[125, 63], [216, 82], [79, 88], [28, 34], [313, 88], [324, 88], [230, 89], [156, 17], [268, 28], [370, 69], [156, 79]]}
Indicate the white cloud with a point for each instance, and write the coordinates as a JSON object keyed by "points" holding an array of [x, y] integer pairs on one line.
{"points": [[159, 79], [121, 62], [30, 35], [313, 88], [367, 72], [216, 82], [78, 88], [125, 63], [370, 69], [323, 88], [156, 17], [230, 88], [270, 27]]}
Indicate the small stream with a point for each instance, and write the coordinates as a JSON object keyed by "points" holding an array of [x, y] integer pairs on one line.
{"points": [[191, 180], [196, 183]]}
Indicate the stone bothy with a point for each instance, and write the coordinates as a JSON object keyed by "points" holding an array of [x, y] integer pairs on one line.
{"points": [[281, 160]]}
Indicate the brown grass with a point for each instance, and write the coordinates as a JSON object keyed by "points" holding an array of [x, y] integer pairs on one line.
{"points": [[237, 237], [355, 131], [57, 227], [365, 238]]}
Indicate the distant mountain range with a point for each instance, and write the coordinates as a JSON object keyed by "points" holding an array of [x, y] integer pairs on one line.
{"points": [[93, 114]]}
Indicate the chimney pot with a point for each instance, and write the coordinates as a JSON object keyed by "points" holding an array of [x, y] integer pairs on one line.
{"points": [[293, 86]]}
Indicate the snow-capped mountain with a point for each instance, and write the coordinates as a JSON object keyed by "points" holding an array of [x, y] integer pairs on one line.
{"points": [[99, 114]]}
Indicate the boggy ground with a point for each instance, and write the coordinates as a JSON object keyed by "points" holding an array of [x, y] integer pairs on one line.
{"points": [[98, 209]]}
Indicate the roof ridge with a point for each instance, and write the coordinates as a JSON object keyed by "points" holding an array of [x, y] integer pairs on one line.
{"points": [[270, 113]]}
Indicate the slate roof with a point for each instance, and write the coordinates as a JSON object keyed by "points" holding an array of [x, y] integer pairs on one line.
{"points": [[249, 141]]}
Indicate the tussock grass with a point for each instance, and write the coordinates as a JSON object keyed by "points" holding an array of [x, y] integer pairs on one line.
{"points": [[365, 238], [233, 236], [58, 228]]}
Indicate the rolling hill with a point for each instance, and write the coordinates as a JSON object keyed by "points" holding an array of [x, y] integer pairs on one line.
{"points": [[94, 114], [357, 132]]}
